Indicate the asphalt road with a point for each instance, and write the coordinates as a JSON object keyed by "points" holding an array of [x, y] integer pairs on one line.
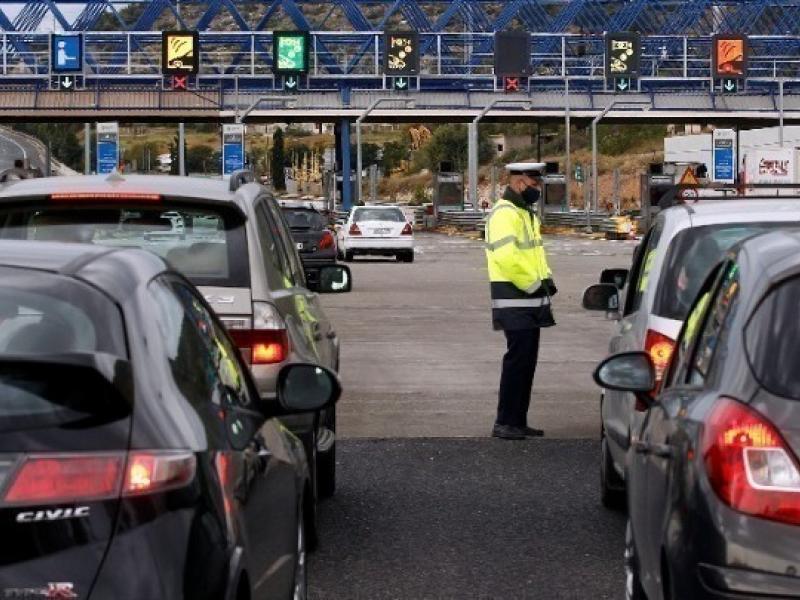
{"points": [[428, 506], [420, 359], [10, 150]]}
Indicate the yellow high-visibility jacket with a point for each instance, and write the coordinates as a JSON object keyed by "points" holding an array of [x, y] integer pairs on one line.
{"points": [[517, 268]]}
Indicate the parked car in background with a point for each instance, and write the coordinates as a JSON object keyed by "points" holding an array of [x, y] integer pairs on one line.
{"points": [[134, 440], [668, 268], [713, 473], [376, 230], [238, 251], [313, 237]]}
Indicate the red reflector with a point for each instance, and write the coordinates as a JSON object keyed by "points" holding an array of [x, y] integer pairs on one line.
{"points": [[326, 241], [407, 230], [354, 230], [66, 478], [103, 197], [262, 346]]}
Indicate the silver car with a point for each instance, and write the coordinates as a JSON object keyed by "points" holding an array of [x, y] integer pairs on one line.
{"points": [[234, 246], [650, 302]]}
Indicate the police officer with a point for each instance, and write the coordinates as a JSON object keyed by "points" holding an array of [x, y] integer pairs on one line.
{"points": [[521, 288]]}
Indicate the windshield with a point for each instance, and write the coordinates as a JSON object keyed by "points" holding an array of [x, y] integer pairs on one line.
{"points": [[690, 257], [393, 215], [202, 243], [300, 218], [771, 340]]}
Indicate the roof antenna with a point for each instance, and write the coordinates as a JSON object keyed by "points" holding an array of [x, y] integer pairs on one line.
{"points": [[115, 176]]}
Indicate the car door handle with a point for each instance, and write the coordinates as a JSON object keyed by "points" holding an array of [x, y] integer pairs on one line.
{"points": [[660, 450]]}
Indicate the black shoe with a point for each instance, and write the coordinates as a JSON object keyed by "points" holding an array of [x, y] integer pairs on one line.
{"points": [[531, 432], [508, 432]]}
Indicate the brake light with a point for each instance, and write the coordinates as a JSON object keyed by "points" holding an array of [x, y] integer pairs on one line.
{"points": [[67, 478], [660, 348], [407, 230], [326, 241], [749, 465], [103, 197], [354, 230], [267, 342]]}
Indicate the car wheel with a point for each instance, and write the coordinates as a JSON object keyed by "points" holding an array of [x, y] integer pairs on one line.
{"points": [[612, 486], [633, 582], [326, 464], [300, 570], [409, 257], [348, 256]]}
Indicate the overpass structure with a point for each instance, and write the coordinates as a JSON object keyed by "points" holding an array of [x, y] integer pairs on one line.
{"points": [[121, 75]]}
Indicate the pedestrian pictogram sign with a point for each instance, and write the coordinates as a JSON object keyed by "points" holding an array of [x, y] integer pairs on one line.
{"points": [[66, 53]]}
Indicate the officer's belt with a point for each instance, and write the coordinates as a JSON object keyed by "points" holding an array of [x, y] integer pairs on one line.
{"points": [[512, 239], [521, 303]]}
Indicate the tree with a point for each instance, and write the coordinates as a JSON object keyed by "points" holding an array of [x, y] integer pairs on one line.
{"points": [[449, 143], [278, 161], [394, 153], [199, 159]]}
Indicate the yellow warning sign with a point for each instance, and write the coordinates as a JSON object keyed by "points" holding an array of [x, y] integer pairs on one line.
{"points": [[688, 179], [180, 52]]}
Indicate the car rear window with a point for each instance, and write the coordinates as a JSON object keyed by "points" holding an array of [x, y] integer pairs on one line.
{"points": [[205, 244], [772, 340], [691, 255], [299, 218], [394, 215]]}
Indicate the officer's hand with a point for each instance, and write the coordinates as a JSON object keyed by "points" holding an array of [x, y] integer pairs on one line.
{"points": [[552, 290]]}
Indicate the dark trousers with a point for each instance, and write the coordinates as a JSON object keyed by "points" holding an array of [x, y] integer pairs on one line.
{"points": [[516, 381]]}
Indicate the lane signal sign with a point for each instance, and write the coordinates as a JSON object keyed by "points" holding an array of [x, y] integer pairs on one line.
{"points": [[730, 86], [401, 83], [511, 84], [180, 82], [291, 82]]}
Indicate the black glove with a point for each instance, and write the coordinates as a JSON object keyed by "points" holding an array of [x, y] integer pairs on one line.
{"points": [[550, 286]]}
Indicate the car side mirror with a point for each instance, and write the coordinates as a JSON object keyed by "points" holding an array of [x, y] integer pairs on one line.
{"points": [[617, 277], [307, 388], [628, 372], [602, 296], [334, 279]]}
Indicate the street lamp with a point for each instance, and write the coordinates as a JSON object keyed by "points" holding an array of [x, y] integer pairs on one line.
{"points": [[286, 101], [409, 103], [472, 138]]}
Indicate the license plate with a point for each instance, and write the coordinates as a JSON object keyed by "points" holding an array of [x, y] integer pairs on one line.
{"points": [[300, 245], [381, 231]]}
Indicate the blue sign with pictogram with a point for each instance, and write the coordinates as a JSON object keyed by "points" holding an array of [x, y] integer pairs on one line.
{"points": [[107, 148], [232, 148], [66, 53]]}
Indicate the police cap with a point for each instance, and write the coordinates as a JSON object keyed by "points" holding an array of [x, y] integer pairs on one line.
{"points": [[531, 169]]}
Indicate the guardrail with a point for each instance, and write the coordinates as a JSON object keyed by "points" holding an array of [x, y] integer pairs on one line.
{"points": [[467, 220]]}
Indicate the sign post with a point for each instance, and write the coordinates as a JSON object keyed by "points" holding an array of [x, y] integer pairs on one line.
{"points": [[724, 156], [622, 60], [401, 58], [66, 61], [512, 59], [290, 51], [107, 148], [729, 61], [232, 148]]}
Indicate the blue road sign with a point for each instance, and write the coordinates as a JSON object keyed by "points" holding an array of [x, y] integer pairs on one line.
{"points": [[66, 53], [232, 148], [107, 147], [724, 156]]}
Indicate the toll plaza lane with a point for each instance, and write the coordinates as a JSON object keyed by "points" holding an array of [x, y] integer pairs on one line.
{"points": [[420, 359], [464, 519]]}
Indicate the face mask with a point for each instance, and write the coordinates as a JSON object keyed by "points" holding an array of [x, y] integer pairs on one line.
{"points": [[530, 195]]}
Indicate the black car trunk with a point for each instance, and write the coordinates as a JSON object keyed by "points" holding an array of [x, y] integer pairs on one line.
{"points": [[64, 432]]}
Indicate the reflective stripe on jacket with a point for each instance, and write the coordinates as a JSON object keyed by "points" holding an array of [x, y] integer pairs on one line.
{"points": [[517, 267]]}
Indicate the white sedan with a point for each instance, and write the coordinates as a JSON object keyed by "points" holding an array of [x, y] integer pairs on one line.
{"points": [[381, 230]]}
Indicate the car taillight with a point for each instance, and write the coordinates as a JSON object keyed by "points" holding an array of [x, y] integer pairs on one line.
{"points": [[326, 241], [660, 348], [267, 342], [407, 230], [354, 230], [749, 465], [67, 478]]}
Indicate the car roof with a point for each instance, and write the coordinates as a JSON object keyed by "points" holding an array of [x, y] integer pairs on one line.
{"points": [[116, 271], [776, 253], [719, 211]]}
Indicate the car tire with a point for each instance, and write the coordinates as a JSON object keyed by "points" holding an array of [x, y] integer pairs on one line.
{"points": [[612, 486], [326, 464], [408, 257], [348, 256], [633, 582]]}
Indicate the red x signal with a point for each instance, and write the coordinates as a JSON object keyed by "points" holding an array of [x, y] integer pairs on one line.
{"points": [[180, 82], [511, 84]]}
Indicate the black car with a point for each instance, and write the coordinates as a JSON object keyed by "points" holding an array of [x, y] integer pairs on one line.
{"points": [[713, 473], [315, 241], [137, 460]]}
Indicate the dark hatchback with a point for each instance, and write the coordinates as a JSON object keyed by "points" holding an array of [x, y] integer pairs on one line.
{"points": [[137, 460], [311, 234], [713, 474]]}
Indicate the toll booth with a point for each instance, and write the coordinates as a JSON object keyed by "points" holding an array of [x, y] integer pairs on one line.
{"points": [[655, 185], [448, 192]]}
